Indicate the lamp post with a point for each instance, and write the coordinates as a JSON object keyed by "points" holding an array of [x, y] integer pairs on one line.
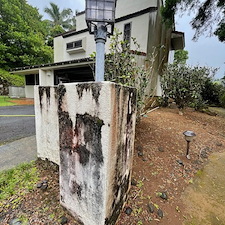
{"points": [[100, 15], [189, 135]]}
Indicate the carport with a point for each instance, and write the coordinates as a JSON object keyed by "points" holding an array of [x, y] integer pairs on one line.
{"points": [[79, 70]]}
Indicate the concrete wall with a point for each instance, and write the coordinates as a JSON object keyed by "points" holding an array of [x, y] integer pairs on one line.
{"points": [[46, 123], [96, 126], [16, 92], [29, 91], [46, 77], [92, 126], [80, 22]]}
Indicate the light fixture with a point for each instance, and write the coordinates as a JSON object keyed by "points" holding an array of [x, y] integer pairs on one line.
{"points": [[102, 11], [100, 15], [189, 136]]}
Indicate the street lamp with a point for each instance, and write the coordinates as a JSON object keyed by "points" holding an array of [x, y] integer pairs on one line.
{"points": [[100, 15], [189, 135]]}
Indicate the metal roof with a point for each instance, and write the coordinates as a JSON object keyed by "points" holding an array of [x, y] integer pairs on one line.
{"points": [[58, 65]]}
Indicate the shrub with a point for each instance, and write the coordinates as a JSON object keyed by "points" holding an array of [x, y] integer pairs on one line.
{"points": [[121, 66], [211, 92], [184, 83], [222, 100]]}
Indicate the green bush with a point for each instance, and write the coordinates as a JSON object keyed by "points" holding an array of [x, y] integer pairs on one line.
{"points": [[211, 92], [11, 79], [122, 67], [222, 100], [184, 83]]}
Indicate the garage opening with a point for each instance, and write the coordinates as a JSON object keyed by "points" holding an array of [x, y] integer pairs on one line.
{"points": [[79, 74]]}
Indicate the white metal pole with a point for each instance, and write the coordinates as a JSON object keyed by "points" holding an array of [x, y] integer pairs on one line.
{"points": [[100, 39]]}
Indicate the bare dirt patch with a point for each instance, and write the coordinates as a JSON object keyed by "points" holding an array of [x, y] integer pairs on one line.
{"points": [[161, 172], [162, 167], [23, 101]]}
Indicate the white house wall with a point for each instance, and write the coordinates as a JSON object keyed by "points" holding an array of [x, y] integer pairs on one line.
{"points": [[126, 7], [80, 22], [60, 53], [46, 77], [59, 50], [139, 30], [29, 91]]}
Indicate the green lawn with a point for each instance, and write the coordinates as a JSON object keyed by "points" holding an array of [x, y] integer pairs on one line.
{"points": [[5, 101]]}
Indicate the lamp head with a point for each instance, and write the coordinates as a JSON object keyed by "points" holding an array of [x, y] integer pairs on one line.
{"points": [[189, 135], [100, 11]]}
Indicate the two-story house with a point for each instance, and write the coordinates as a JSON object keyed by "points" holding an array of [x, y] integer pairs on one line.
{"points": [[72, 63]]}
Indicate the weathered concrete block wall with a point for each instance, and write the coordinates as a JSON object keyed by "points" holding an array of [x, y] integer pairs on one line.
{"points": [[96, 127], [47, 124], [16, 92]]}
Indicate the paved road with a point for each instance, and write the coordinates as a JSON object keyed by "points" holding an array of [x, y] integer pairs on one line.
{"points": [[17, 136], [16, 122]]}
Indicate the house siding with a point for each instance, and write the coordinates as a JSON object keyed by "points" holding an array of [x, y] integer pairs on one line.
{"points": [[139, 31], [134, 6]]}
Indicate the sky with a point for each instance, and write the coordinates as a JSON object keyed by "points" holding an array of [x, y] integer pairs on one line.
{"points": [[207, 51]]}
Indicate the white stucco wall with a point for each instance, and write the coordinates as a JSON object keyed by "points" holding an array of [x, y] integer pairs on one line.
{"points": [[80, 22], [171, 56], [96, 127], [46, 123], [126, 7], [16, 92], [58, 49], [29, 91], [60, 53], [89, 129], [123, 8], [139, 30], [46, 77]]}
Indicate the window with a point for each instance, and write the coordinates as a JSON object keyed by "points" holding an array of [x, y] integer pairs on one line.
{"points": [[127, 32], [75, 44], [32, 79]]}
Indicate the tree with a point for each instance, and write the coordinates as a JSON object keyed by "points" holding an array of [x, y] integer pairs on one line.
{"points": [[210, 13], [53, 31], [22, 35], [180, 56], [184, 83], [63, 18], [223, 81]]}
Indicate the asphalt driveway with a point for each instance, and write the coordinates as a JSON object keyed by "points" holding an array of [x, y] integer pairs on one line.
{"points": [[16, 122]]}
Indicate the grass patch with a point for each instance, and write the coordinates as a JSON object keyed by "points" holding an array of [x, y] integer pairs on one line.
{"points": [[5, 101], [18, 181]]}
